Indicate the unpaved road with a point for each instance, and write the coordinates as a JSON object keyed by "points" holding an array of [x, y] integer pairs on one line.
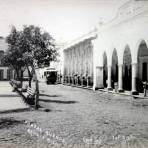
{"points": [[77, 118]]}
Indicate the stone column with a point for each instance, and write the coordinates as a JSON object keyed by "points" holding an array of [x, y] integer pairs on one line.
{"points": [[98, 78], [78, 79], [79, 61], [64, 67], [88, 81], [109, 80], [68, 64], [72, 65], [120, 78], [134, 78], [81, 79], [72, 79], [69, 79]]}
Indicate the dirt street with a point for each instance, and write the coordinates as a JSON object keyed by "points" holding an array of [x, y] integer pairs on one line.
{"points": [[77, 117]]}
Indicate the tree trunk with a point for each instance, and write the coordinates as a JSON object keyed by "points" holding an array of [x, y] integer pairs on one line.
{"points": [[30, 76], [37, 95], [21, 78], [37, 88], [16, 74]]}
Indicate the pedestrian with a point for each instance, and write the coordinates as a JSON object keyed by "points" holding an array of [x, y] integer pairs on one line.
{"points": [[145, 85]]}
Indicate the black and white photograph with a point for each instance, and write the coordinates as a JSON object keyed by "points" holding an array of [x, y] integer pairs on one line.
{"points": [[73, 73]]}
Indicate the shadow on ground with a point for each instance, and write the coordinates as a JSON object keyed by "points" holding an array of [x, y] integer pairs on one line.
{"points": [[5, 95], [50, 95], [58, 101], [9, 122]]}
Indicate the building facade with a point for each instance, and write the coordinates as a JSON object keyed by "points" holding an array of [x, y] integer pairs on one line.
{"points": [[119, 51], [5, 72], [78, 61]]}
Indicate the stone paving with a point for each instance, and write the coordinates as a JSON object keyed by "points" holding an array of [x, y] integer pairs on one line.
{"points": [[10, 100], [77, 118]]}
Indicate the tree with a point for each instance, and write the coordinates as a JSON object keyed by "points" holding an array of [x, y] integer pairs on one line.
{"points": [[13, 56], [38, 48], [31, 48]]}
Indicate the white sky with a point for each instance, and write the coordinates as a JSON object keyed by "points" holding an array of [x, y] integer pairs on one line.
{"points": [[64, 19]]}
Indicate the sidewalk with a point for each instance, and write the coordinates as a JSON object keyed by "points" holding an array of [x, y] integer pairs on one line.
{"points": [[10, 101]]}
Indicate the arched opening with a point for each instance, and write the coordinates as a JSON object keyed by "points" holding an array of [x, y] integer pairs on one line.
{"points": [[105, 69], [142, 65], [114, 74], [127, 71]]}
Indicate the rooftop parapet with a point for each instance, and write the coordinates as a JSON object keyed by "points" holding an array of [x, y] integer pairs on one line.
{"points": [[127, 11]]}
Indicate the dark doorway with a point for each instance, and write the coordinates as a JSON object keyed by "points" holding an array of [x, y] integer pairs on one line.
{"points": [[8, 74], [105, 71], [1, 74], [127, 73], [144, 72], [114, 74]]}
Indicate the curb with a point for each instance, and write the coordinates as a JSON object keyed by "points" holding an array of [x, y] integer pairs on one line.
{"points": [[134, 96], [115, 92], [124, 94]]}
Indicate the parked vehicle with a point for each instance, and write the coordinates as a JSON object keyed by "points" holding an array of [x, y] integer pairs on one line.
{"points": [[51, 76]]}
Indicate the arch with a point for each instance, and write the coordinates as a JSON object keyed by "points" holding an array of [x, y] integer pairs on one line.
{"points": [[114, 72], [105, 71], [125, 46], [142, 48], [127, 68], [142, 59], [136, 49]]}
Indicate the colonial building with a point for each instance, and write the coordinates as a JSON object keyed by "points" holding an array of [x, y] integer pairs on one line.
{"points": [[5, 72], [116, 53]]}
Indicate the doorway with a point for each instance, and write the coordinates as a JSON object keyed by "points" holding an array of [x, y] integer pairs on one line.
{"points": [[1, 74]]}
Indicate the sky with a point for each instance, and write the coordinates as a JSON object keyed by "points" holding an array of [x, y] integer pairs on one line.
{"points": [[65, 20]]}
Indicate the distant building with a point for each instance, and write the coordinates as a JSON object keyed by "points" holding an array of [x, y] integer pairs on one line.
{"points": [[5, 72], [116, 54]]}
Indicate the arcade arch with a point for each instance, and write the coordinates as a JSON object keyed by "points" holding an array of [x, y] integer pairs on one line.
{"points": [[127, 69], [142, 59]]}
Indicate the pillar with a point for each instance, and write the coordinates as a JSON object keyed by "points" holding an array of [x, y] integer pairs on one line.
{"points": [[120, 78], [109, 80], [72, 77], [81, 80], [134, 79], [88, 81], [98, 78], [71, 60], [64, 67], [68, 64], [76, 80]]}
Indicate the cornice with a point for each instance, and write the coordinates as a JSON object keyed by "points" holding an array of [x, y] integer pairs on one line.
{"points": [[91, 35]]}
